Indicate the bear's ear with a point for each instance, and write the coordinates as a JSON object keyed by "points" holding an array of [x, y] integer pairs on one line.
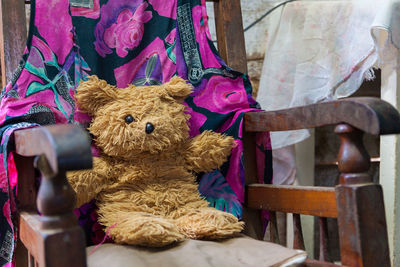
{"points": [[93, 94], [178, 88]]}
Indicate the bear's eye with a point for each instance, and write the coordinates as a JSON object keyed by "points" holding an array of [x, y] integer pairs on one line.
{"points": [[129, 119]]}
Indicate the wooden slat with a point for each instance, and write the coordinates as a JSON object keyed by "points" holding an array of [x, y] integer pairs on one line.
{"points": [[12, 36], [323, 240], [298, 240], [273, 228], [315, 201], [281, 219]]}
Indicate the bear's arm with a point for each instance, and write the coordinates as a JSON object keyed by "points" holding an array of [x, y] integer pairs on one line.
{"points": [[88, 183], [208, 151]]}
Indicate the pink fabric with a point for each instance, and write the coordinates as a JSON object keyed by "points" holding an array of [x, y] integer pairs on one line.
{"points": [[224, 95], [47, 24]]}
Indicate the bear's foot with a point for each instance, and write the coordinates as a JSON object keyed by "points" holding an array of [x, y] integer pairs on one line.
{"points": [[145, 230], [209, 223]]}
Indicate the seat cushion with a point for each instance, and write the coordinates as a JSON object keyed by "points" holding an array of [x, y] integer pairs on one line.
{"points": [[240, 251]]}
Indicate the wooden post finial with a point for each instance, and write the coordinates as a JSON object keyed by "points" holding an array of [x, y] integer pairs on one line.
{"points": [[353, 158], [56, 198]]}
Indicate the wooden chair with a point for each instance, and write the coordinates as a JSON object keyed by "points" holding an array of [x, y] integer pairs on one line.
{"points": [[54, 239]]}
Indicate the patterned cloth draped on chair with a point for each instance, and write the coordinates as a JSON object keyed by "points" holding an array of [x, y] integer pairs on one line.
{"points": [[143, 42]]}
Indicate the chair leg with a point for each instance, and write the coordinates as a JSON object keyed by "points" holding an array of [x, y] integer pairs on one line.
{"points": [[362, 225]]}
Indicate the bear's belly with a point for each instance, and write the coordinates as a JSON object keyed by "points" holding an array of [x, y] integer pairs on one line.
{"points": [[148, 173], [162, 197]]}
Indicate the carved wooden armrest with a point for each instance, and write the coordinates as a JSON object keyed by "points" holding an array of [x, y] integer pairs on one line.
{"points": [[53, 238], [66, 147], [369, 114]]}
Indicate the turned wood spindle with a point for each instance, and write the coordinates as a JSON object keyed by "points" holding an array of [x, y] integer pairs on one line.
{"points": [[56, 198], [353, 158]]}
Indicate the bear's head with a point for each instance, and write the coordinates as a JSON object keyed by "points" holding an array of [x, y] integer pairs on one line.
{"points": [[130, 121]]}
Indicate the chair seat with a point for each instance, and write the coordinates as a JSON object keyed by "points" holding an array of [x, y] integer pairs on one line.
{"points": [[240, 251]]}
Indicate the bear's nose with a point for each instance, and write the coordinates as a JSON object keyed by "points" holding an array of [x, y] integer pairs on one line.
{"points": [[149, 128]]}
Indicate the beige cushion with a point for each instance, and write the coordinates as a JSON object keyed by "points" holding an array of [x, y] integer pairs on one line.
{"points": [[241, 251]]}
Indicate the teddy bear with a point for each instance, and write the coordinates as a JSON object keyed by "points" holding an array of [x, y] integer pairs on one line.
{"points": [[144, 180]]}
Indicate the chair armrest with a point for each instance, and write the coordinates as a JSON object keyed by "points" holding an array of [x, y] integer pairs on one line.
{"points": [[66, 146], [368, 114], [356, 202]]}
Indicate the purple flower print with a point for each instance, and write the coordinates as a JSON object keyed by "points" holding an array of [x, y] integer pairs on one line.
{"points": [[109, 16], [132, 70], [127, 32]]}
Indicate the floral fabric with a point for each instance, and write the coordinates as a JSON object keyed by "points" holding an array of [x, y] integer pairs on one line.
{"points": [[141, 42]]}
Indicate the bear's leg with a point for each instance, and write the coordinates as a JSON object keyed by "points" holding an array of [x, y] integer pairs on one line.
{"points": [[209, 223], [140, 228]]}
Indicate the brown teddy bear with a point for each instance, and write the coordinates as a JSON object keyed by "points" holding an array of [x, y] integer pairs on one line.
{"points": [[144, 182]]}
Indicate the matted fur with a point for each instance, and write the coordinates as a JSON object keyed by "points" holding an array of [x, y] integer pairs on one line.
{"points": [[143, 182]]}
